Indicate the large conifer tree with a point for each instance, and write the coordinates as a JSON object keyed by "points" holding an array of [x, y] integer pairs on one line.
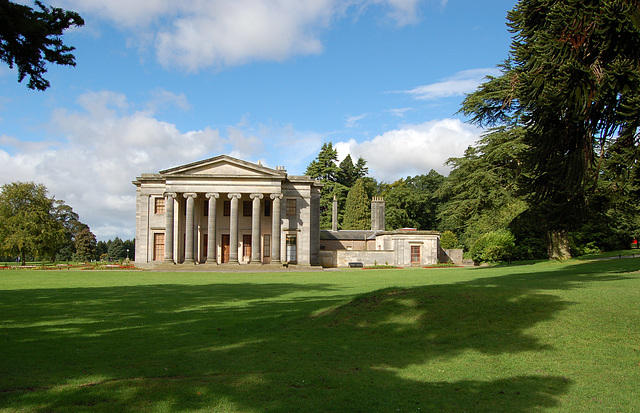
{"points": [[573, 83], [357, 214]]}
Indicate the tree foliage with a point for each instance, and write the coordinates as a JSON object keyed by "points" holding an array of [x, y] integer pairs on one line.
{"points": [[337, 180], [448, 240], [29, 38], [481, 193], [27, 221], [85, 243], [357, 214], [36, 225], [412, 202], [116, 249], [494, 246], [572, 84]]}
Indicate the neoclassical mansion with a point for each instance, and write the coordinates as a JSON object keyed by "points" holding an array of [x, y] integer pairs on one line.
{"points": [[224, 210]]}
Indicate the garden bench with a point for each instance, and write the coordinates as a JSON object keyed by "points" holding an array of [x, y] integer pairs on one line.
{"points": [[356, 264]]}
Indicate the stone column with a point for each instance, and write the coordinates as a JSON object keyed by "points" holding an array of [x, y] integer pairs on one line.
{"points": [[275, 229], [188, 249], [212, 253], [334, 214], [168, 232], [233, 229], [255, 228]]}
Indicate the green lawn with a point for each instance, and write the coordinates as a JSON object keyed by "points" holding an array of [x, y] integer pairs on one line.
{"points": [[543, 337]]}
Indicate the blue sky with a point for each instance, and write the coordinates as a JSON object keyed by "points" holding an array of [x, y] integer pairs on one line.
{"points": [[160, 83]]}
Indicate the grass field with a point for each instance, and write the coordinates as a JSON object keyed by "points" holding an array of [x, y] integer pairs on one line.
{"points": [[557, 337]]}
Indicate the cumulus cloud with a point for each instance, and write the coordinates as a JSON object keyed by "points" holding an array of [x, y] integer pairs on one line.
{"points": [[106, 146], [412, 149], [457, 85], [217, 33]]}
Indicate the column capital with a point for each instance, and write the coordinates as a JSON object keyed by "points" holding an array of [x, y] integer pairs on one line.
{"points": [[254, 196], [234, 195], [274, 196], [170, 195], [210, 195], [190, 195]]}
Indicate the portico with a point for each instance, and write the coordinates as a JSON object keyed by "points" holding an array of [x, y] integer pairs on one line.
{"points": [[226, 211]]}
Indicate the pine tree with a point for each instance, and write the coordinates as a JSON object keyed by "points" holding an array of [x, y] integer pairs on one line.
{"points": [[325, 168], [85, 243], [347, 175], [357, 213], [116, 249]]}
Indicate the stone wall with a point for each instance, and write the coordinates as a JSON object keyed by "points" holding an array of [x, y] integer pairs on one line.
{"points": [[328, 259], [450, 255], [368, 258]]}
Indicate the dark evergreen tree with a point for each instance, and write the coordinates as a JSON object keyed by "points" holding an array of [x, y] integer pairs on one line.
{"points": [[30, 38], [481, 193], [357, 214], [101, 249], [130, 246], [85, 243], [361, 169], [325, 168], [573, 84], [347, 175], [116, 249]]}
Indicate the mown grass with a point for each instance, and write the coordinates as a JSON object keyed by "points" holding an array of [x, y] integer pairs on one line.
{"points": [[541, 337]]}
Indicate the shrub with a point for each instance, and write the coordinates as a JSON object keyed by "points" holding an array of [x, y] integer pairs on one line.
{"points": [[448, 240], [494, 246]]}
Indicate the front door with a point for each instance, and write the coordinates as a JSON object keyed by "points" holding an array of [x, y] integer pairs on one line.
{"points": [[246, 247], [415, 255], [292, 249], [225, 248], [205, 247]]}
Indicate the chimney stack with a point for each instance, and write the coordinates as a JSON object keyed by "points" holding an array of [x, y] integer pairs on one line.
{"points": [[334, 215], [377, 214]]}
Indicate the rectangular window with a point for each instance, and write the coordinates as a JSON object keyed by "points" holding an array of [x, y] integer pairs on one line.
{"points": [[226, 208], [159, 206], [292, 207], [415, 254], [158, 247], [246, 208], [267, 208], [266, 248]]}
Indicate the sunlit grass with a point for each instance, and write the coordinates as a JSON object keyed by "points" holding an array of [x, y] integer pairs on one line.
{"points": [[543, 337]]}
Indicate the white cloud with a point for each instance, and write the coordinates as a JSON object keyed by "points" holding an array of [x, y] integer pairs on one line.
{"points": [[218, 33], [399, 112], [403, 12], [412, 149], [352, 121], [457, 85], [106, 146]]}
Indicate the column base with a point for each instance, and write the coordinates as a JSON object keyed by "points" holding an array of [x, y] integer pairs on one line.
{"points": [[211, 262], [170, 261], [189, 261]]}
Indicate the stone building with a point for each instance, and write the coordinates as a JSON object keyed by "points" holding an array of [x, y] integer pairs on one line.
{"points": [[224, 210], [405, 247]]}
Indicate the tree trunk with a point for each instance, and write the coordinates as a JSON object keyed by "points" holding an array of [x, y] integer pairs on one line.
{"points": [[558, 245], [23, 257]]}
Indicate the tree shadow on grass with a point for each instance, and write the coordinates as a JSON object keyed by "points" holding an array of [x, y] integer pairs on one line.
{"points": [[258, 347]]}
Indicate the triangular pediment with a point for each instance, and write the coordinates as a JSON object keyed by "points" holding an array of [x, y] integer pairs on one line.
{"points": [[224, 166]]}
